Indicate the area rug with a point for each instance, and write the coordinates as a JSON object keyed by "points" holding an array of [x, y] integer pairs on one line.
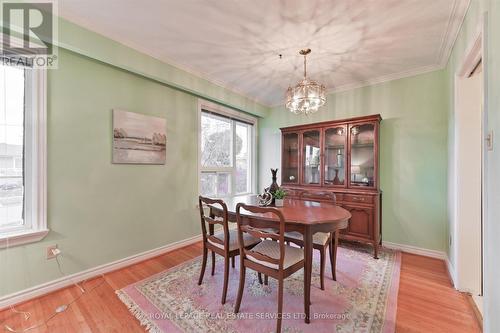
{"points": [[363, 299]]}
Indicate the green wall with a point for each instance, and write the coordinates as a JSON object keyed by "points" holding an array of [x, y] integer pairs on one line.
{"points": [[99, 212], [413, 146]]}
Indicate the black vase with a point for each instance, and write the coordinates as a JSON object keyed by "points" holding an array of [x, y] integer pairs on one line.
{"points": [[274, 186]]}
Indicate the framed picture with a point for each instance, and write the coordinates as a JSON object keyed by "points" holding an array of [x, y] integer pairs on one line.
{"points": [[138, 139]]}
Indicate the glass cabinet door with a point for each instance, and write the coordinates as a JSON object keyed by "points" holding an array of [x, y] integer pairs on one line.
{"points": [[362, 140], [311, 157], [335, 152], [290, 168]]}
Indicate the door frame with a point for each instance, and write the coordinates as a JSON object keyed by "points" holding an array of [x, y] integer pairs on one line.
{"points": [[473, 54]]}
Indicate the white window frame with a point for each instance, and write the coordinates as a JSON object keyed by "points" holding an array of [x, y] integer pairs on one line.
{"points": [[35, 173], [236, 115]]}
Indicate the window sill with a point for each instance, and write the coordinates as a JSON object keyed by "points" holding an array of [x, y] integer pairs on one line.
{"points": [[21, 238]]}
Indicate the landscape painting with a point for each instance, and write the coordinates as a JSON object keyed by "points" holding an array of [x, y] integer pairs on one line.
{"points": [[138, 139]]}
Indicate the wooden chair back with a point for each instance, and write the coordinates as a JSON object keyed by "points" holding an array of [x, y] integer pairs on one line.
{"points": [[319, 195], [260, 228], [211, 222]]}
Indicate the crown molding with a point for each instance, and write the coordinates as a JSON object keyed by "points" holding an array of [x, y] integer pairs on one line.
{"points": [[455, 22], [161, 57], [379, 80], [386, 78]]}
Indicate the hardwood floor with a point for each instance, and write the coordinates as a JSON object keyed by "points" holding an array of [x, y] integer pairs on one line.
{"points": [[426, 302]]}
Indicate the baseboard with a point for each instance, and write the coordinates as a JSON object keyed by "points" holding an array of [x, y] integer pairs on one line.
{"points": [[451, 272], [477, 305], [416, 250], [48, 287]]}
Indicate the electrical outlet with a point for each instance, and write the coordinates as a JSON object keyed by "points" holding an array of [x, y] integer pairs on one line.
{"points": [[50, 252]]}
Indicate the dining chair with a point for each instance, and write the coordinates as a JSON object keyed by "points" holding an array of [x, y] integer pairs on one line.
{"points": [[224, 243], [321, 240], [271, 257]]}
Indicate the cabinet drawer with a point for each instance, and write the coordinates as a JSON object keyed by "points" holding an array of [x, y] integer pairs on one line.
{"points": [[293, 192], [319, 195], [359, 198]]}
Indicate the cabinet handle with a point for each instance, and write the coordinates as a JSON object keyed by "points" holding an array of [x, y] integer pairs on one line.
{"points": [[358, 199]]}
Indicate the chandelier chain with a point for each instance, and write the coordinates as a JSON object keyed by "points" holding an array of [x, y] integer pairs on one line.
{"points": [[305, 66]]}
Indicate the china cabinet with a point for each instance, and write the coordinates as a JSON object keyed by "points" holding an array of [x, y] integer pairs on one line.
{"points": [[340, 156]]}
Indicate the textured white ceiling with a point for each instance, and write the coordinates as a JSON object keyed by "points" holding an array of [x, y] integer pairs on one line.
{"points": [[236, 43]]}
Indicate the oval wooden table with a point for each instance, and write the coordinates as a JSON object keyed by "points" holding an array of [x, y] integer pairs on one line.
{"points": [[305, 216]]}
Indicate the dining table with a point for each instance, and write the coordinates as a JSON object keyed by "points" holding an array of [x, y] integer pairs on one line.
{"points": [[305, 216]]}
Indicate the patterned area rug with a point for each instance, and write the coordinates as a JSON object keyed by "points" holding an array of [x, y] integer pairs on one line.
{"points": [[363, 299]]}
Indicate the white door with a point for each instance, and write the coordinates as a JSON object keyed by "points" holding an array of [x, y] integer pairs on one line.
{"points": [[468, 148]]}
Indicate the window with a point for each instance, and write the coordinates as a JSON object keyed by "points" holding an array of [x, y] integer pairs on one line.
{"points": [[22, 155], [227, 141]]}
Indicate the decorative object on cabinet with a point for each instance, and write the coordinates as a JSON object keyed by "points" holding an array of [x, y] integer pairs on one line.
{"points": [[340, 159], [138, 138], [355, 170], [347, 165], [336, 180]]}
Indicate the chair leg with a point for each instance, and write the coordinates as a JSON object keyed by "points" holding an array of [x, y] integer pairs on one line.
{"points": [[226, 278], [213, 263], [322, 268], [240, 288], [280, 305], [203, 265], [260, 277], [266, 280], [334, 241], [232, 261]]}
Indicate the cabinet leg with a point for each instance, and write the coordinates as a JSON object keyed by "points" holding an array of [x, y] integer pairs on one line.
{"points": [[375, 250]]}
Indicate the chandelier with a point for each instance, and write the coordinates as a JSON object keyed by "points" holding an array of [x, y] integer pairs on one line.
{"points": [[307, 96]]}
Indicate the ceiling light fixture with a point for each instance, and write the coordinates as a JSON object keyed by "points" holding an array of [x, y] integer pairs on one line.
{"points": [[307, 96]]}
